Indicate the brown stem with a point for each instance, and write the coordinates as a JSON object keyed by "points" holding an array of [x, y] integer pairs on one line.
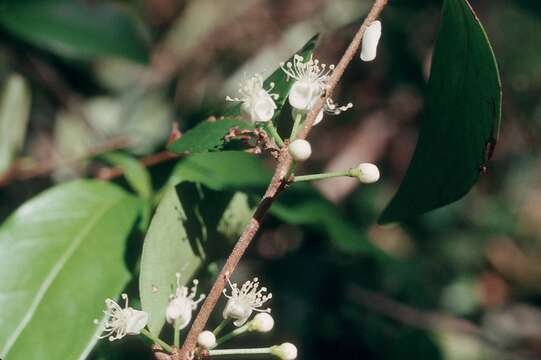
{"points": [[349, 54], [278, 183]]}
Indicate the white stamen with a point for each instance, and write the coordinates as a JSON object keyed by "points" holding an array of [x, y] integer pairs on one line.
{"points": [[242, 302], [182, 304], [122, 321]]}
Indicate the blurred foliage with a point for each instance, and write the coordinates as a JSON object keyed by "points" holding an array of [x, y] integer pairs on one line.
{"points": [[461, 282]]}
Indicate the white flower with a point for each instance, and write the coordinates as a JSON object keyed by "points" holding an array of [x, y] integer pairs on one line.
{"points": [[311, 81], [122, 321], [367, 173], [370, 41], [257, 103], [300, 150], [242, 302], [182, 304], [331, 108], [206, 339], [286, 351], [262, 322]]}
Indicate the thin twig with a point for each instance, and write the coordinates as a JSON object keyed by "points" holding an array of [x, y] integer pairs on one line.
{"points": [[278, 183]]}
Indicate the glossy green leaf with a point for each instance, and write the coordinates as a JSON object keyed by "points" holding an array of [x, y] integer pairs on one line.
{"points": [[14, 113], [76, 28], [61, 255], [206, 136], [461, 121], [190, 225]]}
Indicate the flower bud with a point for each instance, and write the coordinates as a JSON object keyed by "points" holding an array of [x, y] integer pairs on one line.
{"points": [[367, 173], [206, 339], [286, 351], [370, 41], [262, 322], [300, 150]]}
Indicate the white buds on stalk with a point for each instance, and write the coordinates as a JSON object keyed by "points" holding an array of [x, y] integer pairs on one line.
{"points": [[367, 173], [300, 150], [286, 351], [371, 38], [206, 339], [262, 322]]}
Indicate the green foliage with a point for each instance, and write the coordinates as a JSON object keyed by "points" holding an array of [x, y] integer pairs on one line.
{"points": [[134, 172], [461, 120], [64, 251], [206, 136], [187, 222], [14, 111], [76, 28]]}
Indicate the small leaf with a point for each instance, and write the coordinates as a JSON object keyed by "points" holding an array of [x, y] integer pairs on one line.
{"points": [[461, 121], [134, 172], [76, 28], [206, 136], [190, 225], [14, 113], [61, 255]]}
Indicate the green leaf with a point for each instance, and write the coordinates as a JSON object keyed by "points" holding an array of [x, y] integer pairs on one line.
{"points": [[76, 28], [206, 136], [461, 121], [62, 254], [14, 113], [190, 226], [209, 136], [301, 204], [134, 172], [228, 170]]}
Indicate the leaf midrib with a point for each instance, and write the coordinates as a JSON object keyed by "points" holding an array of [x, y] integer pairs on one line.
{"points": [[53, 274]]}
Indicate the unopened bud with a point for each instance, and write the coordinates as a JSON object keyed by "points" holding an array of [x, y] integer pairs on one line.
{"points": [[300, 150]]}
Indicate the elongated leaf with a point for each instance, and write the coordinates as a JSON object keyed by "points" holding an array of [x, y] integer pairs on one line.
{"points": [[61, 255], [190, 225], [14, 111], [461, 121], [206, 136], [75, 28]]}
